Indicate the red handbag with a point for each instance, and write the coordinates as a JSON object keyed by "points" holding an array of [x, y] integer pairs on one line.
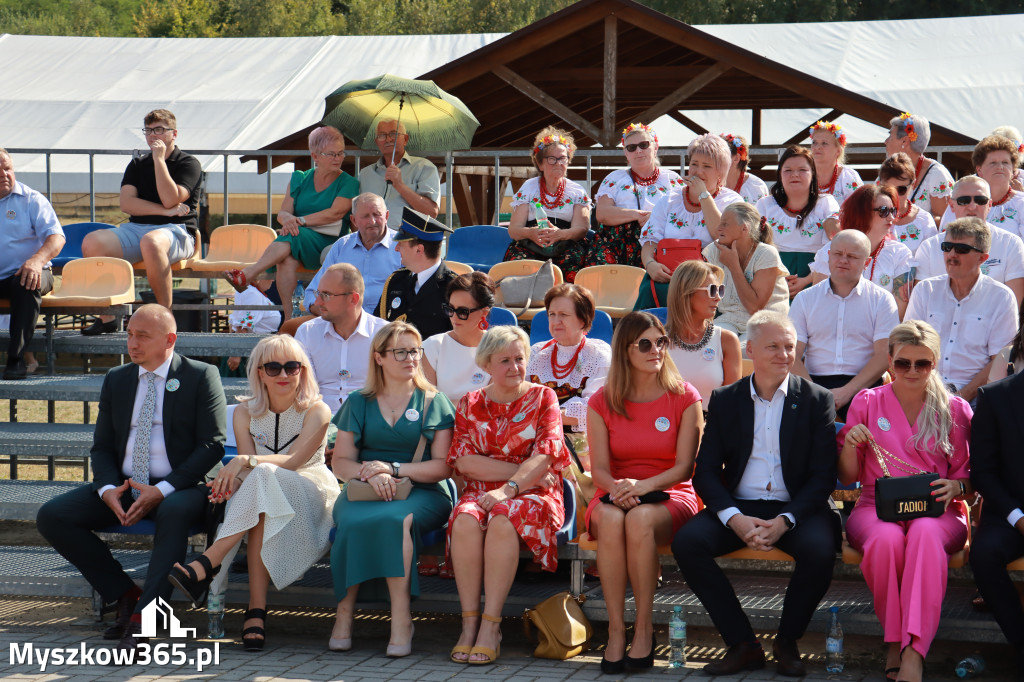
{"points": [[674, 252]]}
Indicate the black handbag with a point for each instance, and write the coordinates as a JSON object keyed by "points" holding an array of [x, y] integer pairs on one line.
{"points": [[902, 498]]}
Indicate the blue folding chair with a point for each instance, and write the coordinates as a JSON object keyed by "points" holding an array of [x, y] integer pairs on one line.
{"points": [[600, 329], [660, 313], [74, 234], [478, 246], [501, 316]]}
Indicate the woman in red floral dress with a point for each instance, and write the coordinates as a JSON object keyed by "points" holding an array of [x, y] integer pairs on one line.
{"points": [[508, 447]]}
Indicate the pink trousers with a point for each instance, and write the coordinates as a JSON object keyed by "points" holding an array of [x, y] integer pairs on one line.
{"points": [[905, 565]]}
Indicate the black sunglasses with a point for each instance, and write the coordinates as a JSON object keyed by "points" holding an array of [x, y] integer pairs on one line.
{"points": [[979, 199], [904, 365], [461, 313], [639, 145], [962, 249], [291, 368], [645, 345], [884, 211]]}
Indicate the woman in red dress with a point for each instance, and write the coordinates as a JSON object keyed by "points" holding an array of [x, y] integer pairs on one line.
{"points": [[644, 427], [508, 447]]}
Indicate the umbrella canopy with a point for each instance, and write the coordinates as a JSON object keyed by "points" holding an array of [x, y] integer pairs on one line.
{"points": [[435, 120]]}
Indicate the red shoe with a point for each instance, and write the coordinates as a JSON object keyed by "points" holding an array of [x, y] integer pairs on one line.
{"points": [[237, 279], [445, 571]]}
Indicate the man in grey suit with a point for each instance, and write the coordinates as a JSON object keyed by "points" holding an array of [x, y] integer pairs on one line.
{"points": [[160, 429]]}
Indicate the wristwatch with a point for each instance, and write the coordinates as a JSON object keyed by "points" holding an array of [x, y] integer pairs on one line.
{"points": [[302, 221], [515, 486], [704, 195], [251, 462], [963, 489], [395, 468], [785, 519]]}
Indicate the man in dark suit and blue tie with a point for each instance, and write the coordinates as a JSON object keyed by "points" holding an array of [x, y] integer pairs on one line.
{"points": [[765, 470], [160, 429]]}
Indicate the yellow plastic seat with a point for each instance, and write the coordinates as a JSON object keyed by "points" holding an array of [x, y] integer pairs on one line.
{"points": [[614, 287], [519, 268], [94, 282], [234, 247], [1016, 565], [588, 543], [747, 367], [458, 268]]}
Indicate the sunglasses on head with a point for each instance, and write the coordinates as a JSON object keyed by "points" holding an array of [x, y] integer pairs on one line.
{"points": [[962, 249], [884, 211], [461, 313], [979, 199], [904, 365], [291, 368], [645, 345], [714, 290], [638, 145]]}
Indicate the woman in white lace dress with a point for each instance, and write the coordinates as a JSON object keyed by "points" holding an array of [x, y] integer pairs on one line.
{"points": [[828, 147], [910, 133], [278, 490]]}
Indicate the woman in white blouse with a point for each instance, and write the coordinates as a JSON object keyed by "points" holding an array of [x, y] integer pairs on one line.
{"points": [[690, 212], [996, 159], [626, 197], [828, 147], [913, 224], [564, 202], [744, 183], [910, 133], [800, 220], [449, 359]]}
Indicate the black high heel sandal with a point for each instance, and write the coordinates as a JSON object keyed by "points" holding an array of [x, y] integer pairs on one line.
{"points": [[252, 643], [647, 661], [188, 582]]}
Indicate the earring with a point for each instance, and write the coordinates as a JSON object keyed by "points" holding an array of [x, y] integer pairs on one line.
{"points": [[484, 324]]}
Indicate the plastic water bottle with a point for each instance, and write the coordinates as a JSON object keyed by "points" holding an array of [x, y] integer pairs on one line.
{"points": [[541, 215], [970, 666], [215, 611], [834, 660], [677, 639], [298, 300]]}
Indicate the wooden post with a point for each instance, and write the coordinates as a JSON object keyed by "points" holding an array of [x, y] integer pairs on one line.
{"points": [[755, 126], [611, 58]]}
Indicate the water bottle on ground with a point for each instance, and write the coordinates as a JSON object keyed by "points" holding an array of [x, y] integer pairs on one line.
{"points": [[298, 300], [970, 666], [677, 639], [834, 660], [215, 611]]}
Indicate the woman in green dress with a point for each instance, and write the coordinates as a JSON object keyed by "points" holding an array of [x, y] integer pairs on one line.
{"points": [[379, 429]]}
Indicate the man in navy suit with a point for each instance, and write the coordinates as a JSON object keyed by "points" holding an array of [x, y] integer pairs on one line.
{"points": [[765, 470], [160, 429]]}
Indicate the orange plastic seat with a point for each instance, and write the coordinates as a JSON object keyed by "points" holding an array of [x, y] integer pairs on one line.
{"points": [[94, 282], [458, 268], [518, 268], [1017, 565], [747, 367], [234, 247], [614, 287], [587, 543]]}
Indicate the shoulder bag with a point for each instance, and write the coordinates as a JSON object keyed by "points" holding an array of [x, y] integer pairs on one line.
{"points": [[562, 629], [672, 253], [902, 498], [362, 491], [522, 290]]}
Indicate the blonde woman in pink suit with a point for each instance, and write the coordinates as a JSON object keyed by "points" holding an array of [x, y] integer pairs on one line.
{"points": [[905, 563]]}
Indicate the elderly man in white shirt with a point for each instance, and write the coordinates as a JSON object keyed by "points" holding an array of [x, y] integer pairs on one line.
{"points": [[972, 198], [338, 342], [843, 323], [974, 314]]}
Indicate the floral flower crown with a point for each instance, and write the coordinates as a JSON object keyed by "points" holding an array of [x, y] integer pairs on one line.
{"points": [[638, 128], [549, 140], [1020, 146], [833, 128], [908, 126], [735, 141]]}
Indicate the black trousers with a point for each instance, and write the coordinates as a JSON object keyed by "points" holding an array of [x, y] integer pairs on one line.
{"points": [[996, 544], [812, 543], [25, 306], [68, 522]]}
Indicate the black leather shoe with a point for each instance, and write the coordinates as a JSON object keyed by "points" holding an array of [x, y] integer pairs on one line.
{"points": [[647, 661], [740, 657], [787, 658], [98, 327], [129, 640], [613, 667], [16, 372], [125, 608]]}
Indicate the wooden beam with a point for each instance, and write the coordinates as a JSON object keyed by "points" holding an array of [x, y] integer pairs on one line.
{"points": [[672, 100], [755, 126], [829, 117], [688, 122], [463, 200], [547, 101], [611, 59]]}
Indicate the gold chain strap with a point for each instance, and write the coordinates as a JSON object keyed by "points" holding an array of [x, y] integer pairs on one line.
{"points": [[885, 470]]}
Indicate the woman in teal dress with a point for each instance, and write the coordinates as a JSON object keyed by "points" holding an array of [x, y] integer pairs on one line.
{"points": [[314, 213], [379, 429]]}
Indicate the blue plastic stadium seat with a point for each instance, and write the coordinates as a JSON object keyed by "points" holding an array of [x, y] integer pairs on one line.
{"points": [[660, 313], [478, 246], [601, 329], [500, 316], [74, 234]]}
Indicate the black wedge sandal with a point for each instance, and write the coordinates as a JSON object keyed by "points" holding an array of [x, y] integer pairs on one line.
{"points": [[252, 643], [188, 582]]}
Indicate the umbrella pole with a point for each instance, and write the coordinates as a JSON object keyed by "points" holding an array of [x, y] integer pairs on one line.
{"points": [[398, 123]]}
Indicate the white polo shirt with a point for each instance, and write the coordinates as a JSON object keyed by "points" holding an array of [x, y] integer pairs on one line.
{"points": [[1005, 259], [1008, 216], [340, 366], [972, 330], [840, 333]]}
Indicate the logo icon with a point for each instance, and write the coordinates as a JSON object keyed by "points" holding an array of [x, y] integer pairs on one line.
{"points": [[159, 610]]}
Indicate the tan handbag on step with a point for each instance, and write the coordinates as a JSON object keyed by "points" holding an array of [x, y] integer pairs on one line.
{"points": [[562, 629]]}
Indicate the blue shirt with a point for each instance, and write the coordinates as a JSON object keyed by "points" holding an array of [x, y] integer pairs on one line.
{"points": [[375, 265], [26, 220]]}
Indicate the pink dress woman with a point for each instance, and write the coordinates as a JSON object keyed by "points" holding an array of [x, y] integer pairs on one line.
{"points": [[905, 564]]}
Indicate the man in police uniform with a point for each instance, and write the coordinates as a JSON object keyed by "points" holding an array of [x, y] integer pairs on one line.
{"points": [[416, 293]]}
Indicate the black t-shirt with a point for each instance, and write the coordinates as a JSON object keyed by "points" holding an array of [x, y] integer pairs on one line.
{"points": [[185, 171]]}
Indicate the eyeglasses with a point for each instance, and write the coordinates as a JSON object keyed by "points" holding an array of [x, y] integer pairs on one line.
{"points": [[639, 145], [401, 354], [158, 130], [713, 290], [291, 368], [387, 137], [903, 365], [557, 160], [979, 199], [461, 313], [332, 155], [884, 211], [327, 296], [645, 345], [961, 249], [902, 189]]}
